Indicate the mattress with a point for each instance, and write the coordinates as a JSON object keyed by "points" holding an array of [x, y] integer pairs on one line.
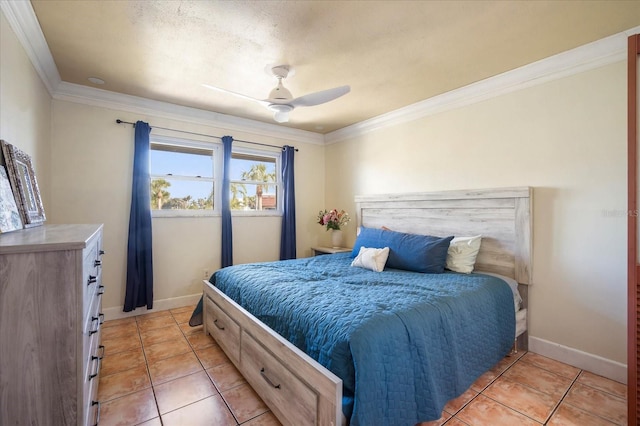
{"points": [[521, 322], [521, 314]]}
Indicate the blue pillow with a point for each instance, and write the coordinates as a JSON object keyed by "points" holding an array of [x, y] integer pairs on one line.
{"points": [[411, 252]]}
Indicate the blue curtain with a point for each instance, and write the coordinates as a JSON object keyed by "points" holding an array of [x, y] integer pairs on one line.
{"points": [[288, 234], [226, 258], [139, 290], [227, 236]]}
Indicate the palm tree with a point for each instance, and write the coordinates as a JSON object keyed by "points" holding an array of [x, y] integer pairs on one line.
{"points": [[258, 173], [184, 202], [159, 195], [209, 201], [237, 188]]}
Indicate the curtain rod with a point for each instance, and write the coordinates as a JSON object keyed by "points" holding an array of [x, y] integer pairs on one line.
{"points": [[202, 134]]}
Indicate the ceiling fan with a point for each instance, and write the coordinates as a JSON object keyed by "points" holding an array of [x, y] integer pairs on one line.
{"points": [[280, 100]]}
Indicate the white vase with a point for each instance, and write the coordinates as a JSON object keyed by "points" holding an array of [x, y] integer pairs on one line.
{"points": [[336, 238]]}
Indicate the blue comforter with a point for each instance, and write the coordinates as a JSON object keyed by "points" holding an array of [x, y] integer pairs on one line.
{"points": [[403, 343]]}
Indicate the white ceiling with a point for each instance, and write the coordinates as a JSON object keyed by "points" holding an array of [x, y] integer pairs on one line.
{"points": [[391, 53]]}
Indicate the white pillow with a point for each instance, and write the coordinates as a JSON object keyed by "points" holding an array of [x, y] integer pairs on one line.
{"points": [[371, 258], [462, 253]]}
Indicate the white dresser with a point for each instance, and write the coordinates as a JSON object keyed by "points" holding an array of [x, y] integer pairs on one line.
{"points": [[50, 318]]}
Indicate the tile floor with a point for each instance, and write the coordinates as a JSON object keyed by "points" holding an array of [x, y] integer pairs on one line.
{"points": [[159, 371]]}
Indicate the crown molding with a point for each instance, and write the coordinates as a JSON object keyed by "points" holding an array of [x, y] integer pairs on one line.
{"points": [[77, 93], [589, 56], [24, 23]]}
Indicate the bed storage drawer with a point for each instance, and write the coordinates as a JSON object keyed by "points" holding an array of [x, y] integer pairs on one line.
{"points": [[224, 329], [282, 390]]}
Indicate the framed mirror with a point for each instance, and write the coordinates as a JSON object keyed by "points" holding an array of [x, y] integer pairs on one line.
{"points": [[24, 184], [10, 219]]}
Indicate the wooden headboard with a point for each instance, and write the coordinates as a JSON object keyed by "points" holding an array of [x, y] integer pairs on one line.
{"points": [[503, 216]]}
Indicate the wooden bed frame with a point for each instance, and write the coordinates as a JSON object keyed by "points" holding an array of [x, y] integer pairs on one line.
{"points": [[300, 391]]}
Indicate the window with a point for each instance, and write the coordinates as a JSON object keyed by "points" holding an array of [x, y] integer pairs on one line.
{"points": [[182, 177], [255, 181], [186, 179]]}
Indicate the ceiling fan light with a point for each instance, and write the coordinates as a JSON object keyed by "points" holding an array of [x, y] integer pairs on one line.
{"points": [[281, 117], [283, 108]]}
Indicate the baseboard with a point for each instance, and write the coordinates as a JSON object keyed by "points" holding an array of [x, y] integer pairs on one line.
{"points": [[158, 305], [593, 363]]}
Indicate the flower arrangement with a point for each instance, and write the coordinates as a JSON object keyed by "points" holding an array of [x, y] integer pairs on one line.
{"points": [[333, 219]]}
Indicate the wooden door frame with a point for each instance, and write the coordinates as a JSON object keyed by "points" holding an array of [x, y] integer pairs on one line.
{"points": [[632, 236]]}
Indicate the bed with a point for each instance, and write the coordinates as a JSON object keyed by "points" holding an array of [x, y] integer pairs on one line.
{"points": [[425, 344]]}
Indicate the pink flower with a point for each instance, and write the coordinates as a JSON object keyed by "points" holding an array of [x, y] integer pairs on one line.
{"points": [[333, 219]]}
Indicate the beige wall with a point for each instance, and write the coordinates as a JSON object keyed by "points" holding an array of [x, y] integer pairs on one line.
{"points": [[566, 139], [91, 164], [25, 106]]}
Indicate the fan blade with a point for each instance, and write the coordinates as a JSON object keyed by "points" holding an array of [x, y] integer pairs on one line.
{"points": [[320, 97], [281, 117], [240, 95]]}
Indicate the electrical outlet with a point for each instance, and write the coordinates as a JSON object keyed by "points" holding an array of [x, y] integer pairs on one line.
{"points": [[205, 274]]}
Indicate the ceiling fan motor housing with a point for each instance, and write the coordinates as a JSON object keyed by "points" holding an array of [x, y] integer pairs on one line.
{"points": [[280, 92]]}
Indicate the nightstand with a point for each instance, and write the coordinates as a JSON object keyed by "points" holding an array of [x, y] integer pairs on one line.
{"points": [[317, 251]]}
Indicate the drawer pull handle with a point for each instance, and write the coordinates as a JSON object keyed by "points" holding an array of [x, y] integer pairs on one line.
{"points": [[100, 290], [97, 362], [97, 263], [98, 320], [101, 252], [264, 376], [215, 322], [92, 279], [101, 349], [97, 412]]}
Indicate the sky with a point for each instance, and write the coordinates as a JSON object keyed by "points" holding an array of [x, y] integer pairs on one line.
{"points": [[164, 162]]}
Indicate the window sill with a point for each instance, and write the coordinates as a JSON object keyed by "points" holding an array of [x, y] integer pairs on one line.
{"points": [[160, 214], [183, 213]]}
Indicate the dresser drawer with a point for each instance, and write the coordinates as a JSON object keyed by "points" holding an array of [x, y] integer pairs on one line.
{"points": [[91, 274], [90, 341], [288, 396], [91, 380], [91, 354], [92, 405], [93, 314], [224, 329]]}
